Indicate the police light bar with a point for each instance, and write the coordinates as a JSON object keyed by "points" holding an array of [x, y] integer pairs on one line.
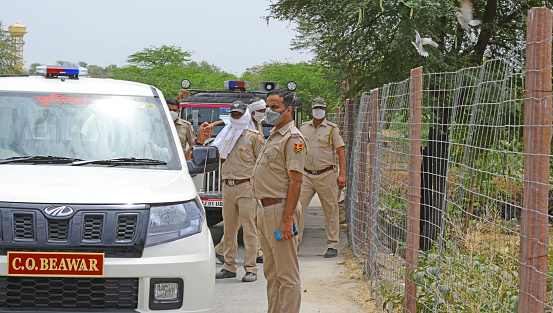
{"points": [[237, 84], [55, 71]]}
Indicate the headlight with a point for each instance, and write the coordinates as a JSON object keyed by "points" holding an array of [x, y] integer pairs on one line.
{"points": [[175, 221]]}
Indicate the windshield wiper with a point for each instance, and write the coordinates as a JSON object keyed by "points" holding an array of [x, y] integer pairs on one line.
{"points": [[121, 161], [40, 159]]}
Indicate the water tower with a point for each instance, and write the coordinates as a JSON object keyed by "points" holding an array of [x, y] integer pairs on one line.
{"points": [[17, 31]]}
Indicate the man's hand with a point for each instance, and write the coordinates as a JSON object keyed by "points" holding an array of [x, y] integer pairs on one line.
{"points": [[206, 131], [341, 181], [286, 230]]}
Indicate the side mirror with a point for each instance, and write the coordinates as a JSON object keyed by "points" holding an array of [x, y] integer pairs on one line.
{"points": [[204, 159]]}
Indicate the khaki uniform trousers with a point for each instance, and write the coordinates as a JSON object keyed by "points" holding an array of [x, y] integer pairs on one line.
{"points": [[220, 247], [280, 262], [239, 207], [326, 187]]}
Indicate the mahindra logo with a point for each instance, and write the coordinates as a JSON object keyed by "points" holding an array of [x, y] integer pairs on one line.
{"points": [[59, 211]]}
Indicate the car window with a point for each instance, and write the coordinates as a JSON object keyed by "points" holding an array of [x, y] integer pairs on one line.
{"points": [[85, 126]]}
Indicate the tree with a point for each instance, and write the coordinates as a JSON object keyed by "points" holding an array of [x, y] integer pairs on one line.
{"points": [[313, 81], [83, 64], [158, 57], [369, 42], [32, 67], [167, 78], [6, 55], [65, 63]]}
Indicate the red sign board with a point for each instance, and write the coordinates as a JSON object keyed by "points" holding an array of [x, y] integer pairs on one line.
{"points": [[56, 264]]}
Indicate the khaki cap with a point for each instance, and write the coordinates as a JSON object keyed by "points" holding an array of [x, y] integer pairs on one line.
{"points": [[318, 102]]}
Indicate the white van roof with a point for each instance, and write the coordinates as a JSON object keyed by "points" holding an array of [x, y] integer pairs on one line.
{"points": [[102, 86]]}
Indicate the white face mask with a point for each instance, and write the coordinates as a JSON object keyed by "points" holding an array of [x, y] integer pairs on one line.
{"points": [[318, 113], [258, 116], [174, 115]]}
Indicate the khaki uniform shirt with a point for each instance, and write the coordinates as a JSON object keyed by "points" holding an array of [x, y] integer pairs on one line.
{"points": [[186, 133], [260, 128], [282, 152], [241, 160], [322, 143]]}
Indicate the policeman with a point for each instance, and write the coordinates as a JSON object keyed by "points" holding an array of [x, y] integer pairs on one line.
{"points": [[239, 147], [319, 176], [277, 178], [184, 128], [257, 110]]}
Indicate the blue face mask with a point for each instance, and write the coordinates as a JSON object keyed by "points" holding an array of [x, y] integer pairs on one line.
{"points": [[273, 117]]}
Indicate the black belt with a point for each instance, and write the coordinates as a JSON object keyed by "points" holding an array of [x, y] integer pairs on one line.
{"points": [[234, 182], [269, 201], [330, 168]]}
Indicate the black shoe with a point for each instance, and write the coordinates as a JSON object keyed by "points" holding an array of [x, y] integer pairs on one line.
{"points": [[220, 258], [249, 277], [225, 274], [259, 259], [331, 253]]}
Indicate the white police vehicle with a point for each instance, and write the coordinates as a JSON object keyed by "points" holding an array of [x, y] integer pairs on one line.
{"points": [[98, 209]]}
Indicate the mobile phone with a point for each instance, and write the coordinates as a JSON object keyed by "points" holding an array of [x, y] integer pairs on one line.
{"points": [[279, 236]]}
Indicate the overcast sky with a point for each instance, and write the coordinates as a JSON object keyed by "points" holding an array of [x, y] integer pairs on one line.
{"points": [[228, 33]]}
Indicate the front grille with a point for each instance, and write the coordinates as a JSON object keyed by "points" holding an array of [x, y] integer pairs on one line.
{"points": [[92, 228], [116, 230], [23, 226], [63, 293], [126, 227], [58, 230]]}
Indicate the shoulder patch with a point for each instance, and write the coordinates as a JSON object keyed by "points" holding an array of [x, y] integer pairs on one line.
{"points": [[298, 147], [294, 132]]}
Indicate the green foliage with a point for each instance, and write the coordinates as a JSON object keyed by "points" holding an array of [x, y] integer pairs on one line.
{"points": [[65, 63], [159, 57], [313, 80], [98, 71], [369, 42], [459, 283], [167, 78], [32, 68], [6, 56]]}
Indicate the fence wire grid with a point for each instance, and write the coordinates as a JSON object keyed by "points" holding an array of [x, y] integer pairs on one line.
{"points": [[485, 181]]}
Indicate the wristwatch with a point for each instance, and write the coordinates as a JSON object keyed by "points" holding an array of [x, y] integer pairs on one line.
{"points": [[197, 142]]}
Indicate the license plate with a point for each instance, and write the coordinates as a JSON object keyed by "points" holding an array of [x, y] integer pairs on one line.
{"points": [[56, 264], [218, 203]]}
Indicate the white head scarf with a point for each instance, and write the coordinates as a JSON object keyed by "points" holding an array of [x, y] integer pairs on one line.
{"points": [[254, 106], [226, 139]]}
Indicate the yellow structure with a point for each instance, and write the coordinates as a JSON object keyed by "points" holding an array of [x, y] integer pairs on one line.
{"points": [[17, 31]]}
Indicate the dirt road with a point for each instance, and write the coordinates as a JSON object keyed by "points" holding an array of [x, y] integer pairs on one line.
{"points": [[325, 286]]}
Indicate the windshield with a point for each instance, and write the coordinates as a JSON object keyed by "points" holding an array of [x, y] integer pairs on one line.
{"points": [[196, 114], [86, 127]]}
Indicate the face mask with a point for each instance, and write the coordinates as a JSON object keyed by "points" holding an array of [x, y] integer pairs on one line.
{"points": [[273, 117], [318, 113], [174, 115], [258, 116]]}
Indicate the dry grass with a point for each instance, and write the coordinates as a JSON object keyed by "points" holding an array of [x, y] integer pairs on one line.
{"points": [[354, 271]]}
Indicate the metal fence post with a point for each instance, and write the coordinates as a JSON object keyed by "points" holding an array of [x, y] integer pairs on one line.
{"points": [[349, 131], [371, 233], [414, 189], [537, 138], [362, 172]]}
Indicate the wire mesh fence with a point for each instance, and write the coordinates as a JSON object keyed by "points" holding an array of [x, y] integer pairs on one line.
{"points": [[452, 212]]}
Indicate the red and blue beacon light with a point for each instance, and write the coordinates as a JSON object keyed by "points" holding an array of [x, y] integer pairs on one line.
{"points": [[50, 71]]}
